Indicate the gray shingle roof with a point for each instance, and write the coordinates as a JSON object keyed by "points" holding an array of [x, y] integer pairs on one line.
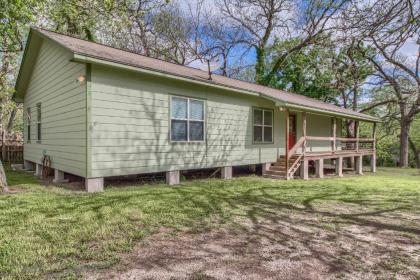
{"points": [[119, 56]]}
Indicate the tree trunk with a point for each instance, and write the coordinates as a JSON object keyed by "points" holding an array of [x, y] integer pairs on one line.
{"points": [[259, 66], [350, 134], [10, 123], [416, 153], [3, 143], [405, 132], [3, 181]]}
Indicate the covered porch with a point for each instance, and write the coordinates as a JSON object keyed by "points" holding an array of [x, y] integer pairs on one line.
{"points": [[332, 150]]}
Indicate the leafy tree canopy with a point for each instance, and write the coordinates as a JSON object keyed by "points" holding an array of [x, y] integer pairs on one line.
{"points": [[318, 71]]}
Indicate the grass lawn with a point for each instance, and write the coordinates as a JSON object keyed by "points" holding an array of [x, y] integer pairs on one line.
{"points": [[357, 227]]}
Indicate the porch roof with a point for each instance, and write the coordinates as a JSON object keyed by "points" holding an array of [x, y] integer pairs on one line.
{"points": [[90, 52]]}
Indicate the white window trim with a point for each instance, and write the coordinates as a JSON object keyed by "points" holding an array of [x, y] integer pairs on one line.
{"points": [[28, 125], [263, 125], [187, 119], [38, 122]]}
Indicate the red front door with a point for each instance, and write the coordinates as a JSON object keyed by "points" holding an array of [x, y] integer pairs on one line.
{"points": [[292, 131]]}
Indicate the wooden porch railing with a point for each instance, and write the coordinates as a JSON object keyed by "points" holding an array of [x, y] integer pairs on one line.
{"points": [[293, 150], [351, 144], [355, 144]]}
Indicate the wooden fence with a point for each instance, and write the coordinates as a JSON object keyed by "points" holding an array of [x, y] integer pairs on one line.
{"points": [[12, 152], [11, 147]]}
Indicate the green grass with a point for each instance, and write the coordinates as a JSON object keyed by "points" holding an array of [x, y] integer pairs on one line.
{"points": [[54, 232]]}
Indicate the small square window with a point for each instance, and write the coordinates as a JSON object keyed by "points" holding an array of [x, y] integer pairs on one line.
{"points": [[263, 125], [187, 119]]}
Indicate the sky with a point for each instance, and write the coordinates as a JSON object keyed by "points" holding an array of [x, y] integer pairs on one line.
{"points": [[410, 49]]}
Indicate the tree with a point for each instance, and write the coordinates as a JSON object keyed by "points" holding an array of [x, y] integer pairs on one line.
{"points": [[225, 44], [81, 18], [15, 17], [132, 26], [333, 72], [414, 141], [308, 71], [388, 26], [264, 19], [178, 33], [3, 180], [322, 71]]}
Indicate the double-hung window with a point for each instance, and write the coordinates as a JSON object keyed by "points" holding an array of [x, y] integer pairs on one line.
{"points": [[263, 125], [187, 119], [38, 122], [28, 125]]}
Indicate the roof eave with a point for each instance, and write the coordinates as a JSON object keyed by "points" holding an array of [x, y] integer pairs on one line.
{"points": [[77, 57], [15, 96], [20, 85], [321, 111]]}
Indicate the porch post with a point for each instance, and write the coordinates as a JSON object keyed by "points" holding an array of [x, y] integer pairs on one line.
{"points": [[373, 162], [304, 132], [356, 134], [286, 113], [339, 167], [373, 158], [359, 165], [334, 134], [319, 168], [374, 136], [304, 173]]}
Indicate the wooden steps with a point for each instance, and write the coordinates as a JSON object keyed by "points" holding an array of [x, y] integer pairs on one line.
{"points": [[277, 170]]}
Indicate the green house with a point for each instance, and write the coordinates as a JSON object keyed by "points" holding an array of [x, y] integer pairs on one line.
{"points": [[95, 111]]}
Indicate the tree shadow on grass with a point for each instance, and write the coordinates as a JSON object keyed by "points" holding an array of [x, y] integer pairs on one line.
{"points": [[299, 230], [338, 226]]}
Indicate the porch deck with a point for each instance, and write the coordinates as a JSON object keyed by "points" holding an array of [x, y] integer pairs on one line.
{"points": [[298, 156], [336, 154]]}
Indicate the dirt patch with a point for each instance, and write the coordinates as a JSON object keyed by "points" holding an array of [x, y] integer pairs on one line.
{"points": [[290, 247]]}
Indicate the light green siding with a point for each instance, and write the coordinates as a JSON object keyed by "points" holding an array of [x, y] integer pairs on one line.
{"points": [[117, 122], [130, 134], [320, 126], [63, 102]]}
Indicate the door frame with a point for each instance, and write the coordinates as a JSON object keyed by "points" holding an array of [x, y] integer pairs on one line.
{"points": [[294, 125]]}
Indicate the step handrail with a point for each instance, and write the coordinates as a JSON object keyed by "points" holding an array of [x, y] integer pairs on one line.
{"points": [[289, 174], [299, 143]]}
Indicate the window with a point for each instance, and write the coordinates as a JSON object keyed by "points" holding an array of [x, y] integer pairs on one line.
{"points": [[263, 125], [187, 119], [28, 125], [38, 122]]}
